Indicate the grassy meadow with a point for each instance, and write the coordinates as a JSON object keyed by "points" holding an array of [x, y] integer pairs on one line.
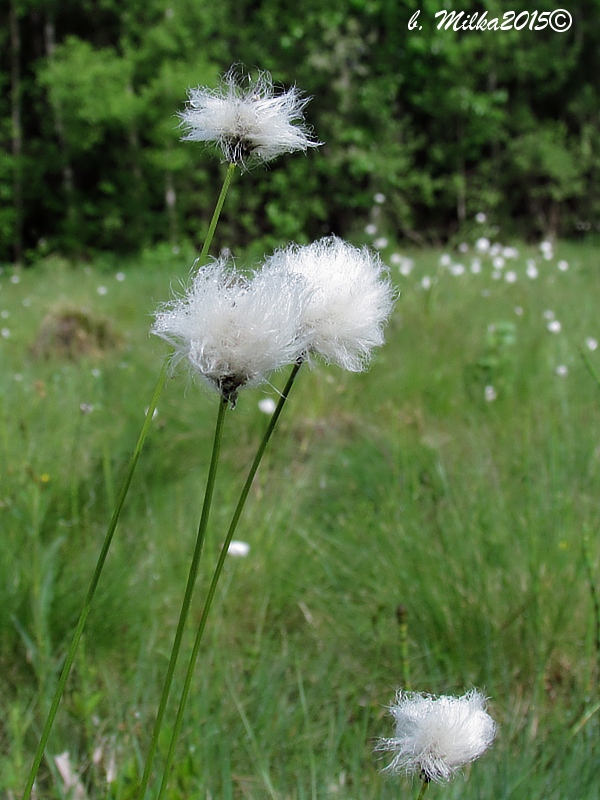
{"points": [[458, 478]]}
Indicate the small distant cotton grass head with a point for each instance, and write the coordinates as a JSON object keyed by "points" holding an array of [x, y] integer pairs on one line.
{"points": [[234, 330], [247, 119], [436, 736], [351, 298]]}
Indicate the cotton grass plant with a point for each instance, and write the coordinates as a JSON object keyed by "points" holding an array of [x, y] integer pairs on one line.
{"points": [[251, 124], [234, 332], [436, 736]]}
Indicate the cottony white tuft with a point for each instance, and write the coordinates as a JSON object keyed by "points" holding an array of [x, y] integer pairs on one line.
{"points": [[248, 124], [351, 299], [235, 331], [436, 736]]}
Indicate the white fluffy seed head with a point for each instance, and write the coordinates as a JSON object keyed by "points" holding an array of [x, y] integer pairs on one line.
{"points": [[234, 331], [436, 736], [351, 298], [246, 119]]}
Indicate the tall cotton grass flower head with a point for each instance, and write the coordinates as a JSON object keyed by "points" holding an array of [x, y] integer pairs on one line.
{"points": [[351, 298], [235, 330], [436, 736], [247, 119]]}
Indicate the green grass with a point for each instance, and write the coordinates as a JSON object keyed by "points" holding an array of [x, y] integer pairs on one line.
{"points": [[403, 485]]}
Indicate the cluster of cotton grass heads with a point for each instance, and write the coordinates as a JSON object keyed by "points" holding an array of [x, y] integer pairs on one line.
{"points": [[328, 299]]}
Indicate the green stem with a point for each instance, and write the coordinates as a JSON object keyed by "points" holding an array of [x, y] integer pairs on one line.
{"points": [[423, 789], [217, 213], [113, 524], [187, 599], [217, 574], [402, 615], [589, 367], [595, 674], [87, 603]]}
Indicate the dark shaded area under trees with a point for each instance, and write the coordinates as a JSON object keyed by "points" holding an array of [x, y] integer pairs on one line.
{"points": [[445, 124]]}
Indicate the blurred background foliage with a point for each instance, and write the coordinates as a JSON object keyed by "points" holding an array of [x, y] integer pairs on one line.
{"points": [[445, 124]]}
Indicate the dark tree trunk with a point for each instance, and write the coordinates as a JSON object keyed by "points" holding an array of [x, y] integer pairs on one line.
{"points": [[17, 131]]}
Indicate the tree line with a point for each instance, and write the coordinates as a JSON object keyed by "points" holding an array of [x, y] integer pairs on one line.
{"points": [[445, 123]]}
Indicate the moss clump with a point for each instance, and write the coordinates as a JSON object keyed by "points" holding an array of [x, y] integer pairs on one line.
{"points": [[73, 333]]}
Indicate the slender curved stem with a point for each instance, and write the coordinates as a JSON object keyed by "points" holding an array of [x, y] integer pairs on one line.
{"points": [[589, 367], [113, 524], [189, 590], [217, 575], [423, 789], [216, 213], [87, 603]]}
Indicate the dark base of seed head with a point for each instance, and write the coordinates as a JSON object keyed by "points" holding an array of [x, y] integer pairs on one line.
{"points": [[229, 387]]}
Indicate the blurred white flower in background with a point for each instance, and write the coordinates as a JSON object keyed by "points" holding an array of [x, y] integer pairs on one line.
{"points": [[238, 549], [591, 343], [267, 405], [554, 326], [490, 394], [480, 217], [406, 267], [246, 119], [532, 270], [436, 736]]}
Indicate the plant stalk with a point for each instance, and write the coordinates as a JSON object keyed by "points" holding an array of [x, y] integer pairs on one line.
{"points": [[217, 213], [217, 574], [189, 590], [113, 523], [87, 603], [423, 789]]}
